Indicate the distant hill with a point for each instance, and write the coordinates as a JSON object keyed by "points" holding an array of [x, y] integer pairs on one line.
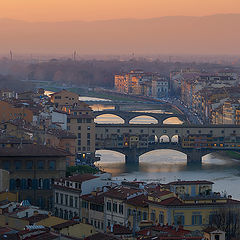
{"points": [[217, 34]]}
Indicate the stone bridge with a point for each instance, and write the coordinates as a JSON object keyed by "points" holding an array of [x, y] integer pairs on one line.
{"points": [[128, 116], [111, 137]]}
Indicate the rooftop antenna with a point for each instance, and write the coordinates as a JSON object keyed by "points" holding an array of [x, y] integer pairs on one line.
{"points": [[74, 56], [11, 55]]}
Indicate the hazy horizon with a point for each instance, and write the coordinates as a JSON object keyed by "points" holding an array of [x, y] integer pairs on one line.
{"points": [[178, 35]]}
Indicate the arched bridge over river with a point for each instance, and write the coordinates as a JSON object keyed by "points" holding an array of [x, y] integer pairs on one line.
{"points": [[128, 116], [195, 141]]}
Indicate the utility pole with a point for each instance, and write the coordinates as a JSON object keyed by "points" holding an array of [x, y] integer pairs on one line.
{"points": [[11, 55]]}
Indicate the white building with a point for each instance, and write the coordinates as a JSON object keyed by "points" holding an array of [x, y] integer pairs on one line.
{"points": [[160, 88], [67, 192]]}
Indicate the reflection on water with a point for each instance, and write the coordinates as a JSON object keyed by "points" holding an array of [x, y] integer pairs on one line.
{"points": [[170, 165], [100, 107]]}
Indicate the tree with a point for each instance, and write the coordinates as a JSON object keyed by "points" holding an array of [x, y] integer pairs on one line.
{"points": [[228, 219]]}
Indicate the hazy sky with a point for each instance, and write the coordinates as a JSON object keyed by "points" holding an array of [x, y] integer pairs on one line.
{"points": [[88, 10]]}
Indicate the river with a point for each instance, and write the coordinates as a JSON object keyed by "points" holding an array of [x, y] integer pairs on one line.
{"points": [[169, 165]]}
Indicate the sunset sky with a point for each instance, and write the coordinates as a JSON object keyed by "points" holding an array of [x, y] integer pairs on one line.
{"points": [[90, 10]]}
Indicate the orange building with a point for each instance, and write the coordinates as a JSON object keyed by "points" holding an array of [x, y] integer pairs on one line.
{"points": [[10, 112], [64, 140], [64, 98]]}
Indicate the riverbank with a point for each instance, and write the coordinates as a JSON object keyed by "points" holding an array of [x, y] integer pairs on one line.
{"points": [[232, 154]]}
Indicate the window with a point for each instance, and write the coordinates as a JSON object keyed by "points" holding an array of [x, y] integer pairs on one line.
{"points": [[66, 199], [129, 211], [29, 164], [153, 216], [88, 135], [88, 128], [84, 204], [88, 142], [71, 201], [79, 142], [196, 220], [130, 130], [79, 120], [79, 127], [79, 135], [161, 218], [56, 199], [68, 120], [144, 215], [121, 209], [89, 120], [118, 130], [217, 237], [75, 201], [40, 164], [52, 164], [109, 206], [79, 148], [18, 164], [61, 199], [115, 207], [179, 220], [68, 128]]}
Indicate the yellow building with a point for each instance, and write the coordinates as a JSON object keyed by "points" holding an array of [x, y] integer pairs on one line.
{"points": [[137, 210], [191, 211], [80, 121], [74, 229]]}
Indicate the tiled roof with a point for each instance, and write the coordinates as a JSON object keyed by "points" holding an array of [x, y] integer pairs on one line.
{"points": [[190, 182], [64, 225], [139, 201], [97, 199], [121, 230], [101, 236], [81, 177], [61, 133], [122, 193], [36, 218], [32, 150]]}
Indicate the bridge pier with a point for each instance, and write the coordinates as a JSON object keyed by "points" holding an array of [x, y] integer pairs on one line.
{"points": [[194, 157], [131, 156]]}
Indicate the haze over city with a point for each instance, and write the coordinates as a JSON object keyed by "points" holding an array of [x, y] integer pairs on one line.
{"points": [[120, 27]]}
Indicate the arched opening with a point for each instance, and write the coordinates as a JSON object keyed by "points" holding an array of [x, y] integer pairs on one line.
{"points": [[143, 119], [175, 139], [163, 161], [172, 120], [109, 119], [111, 161], [164, 139], [153, 139]]}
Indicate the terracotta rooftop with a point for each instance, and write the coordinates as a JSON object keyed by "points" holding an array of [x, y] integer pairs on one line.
{"points": [[121, 230], [81, 177], [97, 199], [32, 150], [190, 182], [122, 193], [64, 225], [36, 218], [101, 236], [61, 133], [140, 201]]}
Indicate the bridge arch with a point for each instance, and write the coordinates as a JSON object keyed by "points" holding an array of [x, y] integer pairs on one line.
{"points": [[174, 119], [164, 139], [140, 119], [175, 138], [118, 119]]}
